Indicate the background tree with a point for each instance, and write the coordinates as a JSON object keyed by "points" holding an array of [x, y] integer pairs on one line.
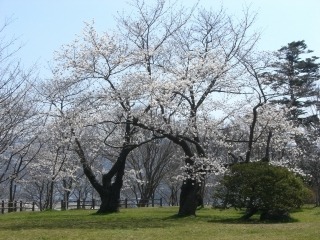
{"points": [[310, 149], [18, 116], [185, 84], [96, 121], [105, 60], [150, 163], [53, 165], [260, 131], [294, 79]]}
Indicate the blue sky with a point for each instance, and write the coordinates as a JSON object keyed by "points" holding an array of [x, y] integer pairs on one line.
{"points": [[44, 25]]}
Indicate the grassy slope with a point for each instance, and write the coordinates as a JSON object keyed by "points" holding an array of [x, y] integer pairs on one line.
{"points": [[154, 223]]}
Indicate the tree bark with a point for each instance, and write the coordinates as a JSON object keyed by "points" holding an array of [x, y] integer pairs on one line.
{"points": [[12, 189], [190, 190], [189, 198], [110, 199], [110, 196], [50, 200], [249, 213], [108, 191]]}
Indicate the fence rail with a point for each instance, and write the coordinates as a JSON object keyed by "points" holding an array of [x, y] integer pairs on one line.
{"points": [[16, 206], [125, 203], [78, 204], [19, 206]]}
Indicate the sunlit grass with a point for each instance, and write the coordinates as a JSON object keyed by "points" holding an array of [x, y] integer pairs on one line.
{"points": [[154, 223]]}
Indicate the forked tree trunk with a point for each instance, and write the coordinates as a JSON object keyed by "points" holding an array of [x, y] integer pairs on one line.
{"points": [[112, 181], [110, 193], [110, 199]]}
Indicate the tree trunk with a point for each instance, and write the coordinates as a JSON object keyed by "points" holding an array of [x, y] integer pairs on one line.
{"points": [[12, 189], [51, 195], [317, 202], [110, 192], [249, 213], [143, 202], [146, 194], [189, 198], [173, 200], [110, 200], [66, 191], [110, 196]]}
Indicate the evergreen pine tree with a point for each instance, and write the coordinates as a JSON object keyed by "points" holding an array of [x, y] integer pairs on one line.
{"points": [[294, 80]]}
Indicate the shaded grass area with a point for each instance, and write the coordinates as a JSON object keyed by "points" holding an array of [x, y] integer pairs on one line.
{"points": [[155, 223]]}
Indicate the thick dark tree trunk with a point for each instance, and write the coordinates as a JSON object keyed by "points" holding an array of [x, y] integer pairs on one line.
{"points": [[110, 193], [109, 190], [110, 200], [189, 198]]}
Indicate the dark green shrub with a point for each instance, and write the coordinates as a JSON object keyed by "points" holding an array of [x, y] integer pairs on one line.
{"points": [[259, 187]]}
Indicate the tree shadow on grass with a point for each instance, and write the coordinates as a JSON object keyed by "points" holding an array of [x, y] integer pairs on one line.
{"points": [[88, 225], [177, 217], [90, 221], [254, 220]]}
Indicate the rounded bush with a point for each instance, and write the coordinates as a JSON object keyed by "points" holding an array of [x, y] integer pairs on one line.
{"points": [[260, 187]]}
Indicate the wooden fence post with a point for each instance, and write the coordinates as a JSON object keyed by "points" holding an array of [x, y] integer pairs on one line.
{"points": [[10, 206], [63, 207], [93, 204], [18, 206]]}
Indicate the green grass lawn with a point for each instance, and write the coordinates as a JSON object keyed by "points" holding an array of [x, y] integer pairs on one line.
{"points": [[154, 223]]}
